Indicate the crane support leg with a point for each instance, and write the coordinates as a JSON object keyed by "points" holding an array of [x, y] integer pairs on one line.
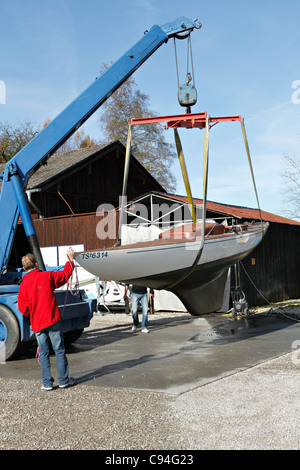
{"points": [[27, 220]]}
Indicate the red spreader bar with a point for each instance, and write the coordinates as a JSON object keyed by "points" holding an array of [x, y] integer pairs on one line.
{"points": [[184, 120]]}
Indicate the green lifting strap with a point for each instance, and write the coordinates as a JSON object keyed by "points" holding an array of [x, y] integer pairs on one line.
{"points": [[205, 174], [184, 173]]}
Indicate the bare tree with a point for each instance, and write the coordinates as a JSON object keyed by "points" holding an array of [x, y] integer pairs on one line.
{"points": [[13, 139], [148, 142], [78, 140], [291, 174]]}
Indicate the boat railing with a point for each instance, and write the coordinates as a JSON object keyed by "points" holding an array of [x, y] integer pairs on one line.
{"points": [[147, 231]]}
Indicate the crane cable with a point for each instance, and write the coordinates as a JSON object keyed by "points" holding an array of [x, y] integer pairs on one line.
{"points": [[189, 56], [273, 307]]}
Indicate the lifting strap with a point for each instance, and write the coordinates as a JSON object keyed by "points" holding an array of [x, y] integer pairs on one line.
{"points": [[250, 165], [205, 174], [184, 174], [125, 180], [187, 185]]}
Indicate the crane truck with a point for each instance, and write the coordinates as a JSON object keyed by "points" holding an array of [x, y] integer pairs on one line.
{"points": [[14, 327]]}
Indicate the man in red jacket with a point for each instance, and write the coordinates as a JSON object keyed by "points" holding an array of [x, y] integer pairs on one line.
{"points": [[37, 301]]}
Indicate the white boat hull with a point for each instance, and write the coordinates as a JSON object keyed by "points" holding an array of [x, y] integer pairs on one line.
{"points": [[166, 264]]}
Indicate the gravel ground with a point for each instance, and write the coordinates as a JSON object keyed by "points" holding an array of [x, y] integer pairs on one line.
{"points": [[253, 409]]}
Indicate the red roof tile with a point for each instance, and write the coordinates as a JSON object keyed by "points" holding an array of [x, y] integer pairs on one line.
{"points": [[237, 211]]}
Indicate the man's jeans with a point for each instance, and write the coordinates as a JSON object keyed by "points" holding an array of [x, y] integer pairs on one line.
{"points": [[143, 298], [54, 335]]}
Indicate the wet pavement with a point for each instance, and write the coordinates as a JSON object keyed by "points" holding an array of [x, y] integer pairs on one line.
{"points": [[180, 353]]}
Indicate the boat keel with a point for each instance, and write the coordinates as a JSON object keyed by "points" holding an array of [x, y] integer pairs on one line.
{"points": [[203, 299]]}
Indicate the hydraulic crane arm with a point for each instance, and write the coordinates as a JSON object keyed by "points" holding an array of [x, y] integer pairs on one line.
{"points": [[13, 201]]}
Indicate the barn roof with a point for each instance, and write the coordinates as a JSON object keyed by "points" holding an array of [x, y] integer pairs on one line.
{"points": [[236, 211], [61, 162], [66, 162]]}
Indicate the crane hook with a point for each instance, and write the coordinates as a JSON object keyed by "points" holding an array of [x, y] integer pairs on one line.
{"points": [[187, 93]]}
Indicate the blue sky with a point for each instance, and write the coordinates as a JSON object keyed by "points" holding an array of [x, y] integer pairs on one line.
{"points": [[246, 59]]}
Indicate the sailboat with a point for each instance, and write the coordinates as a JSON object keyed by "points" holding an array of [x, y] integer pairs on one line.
{"points": [[191, 260]]}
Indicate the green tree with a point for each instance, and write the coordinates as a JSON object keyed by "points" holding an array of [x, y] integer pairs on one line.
{"points": [[148, 142]]}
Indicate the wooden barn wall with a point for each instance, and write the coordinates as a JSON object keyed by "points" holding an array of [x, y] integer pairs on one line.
{"points": [[98, 182], [74, 230], [273, 267], [83, 229]]}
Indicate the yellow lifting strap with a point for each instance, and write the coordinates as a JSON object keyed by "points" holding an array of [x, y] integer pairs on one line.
{"points": [[250, 165], [205, 173], [184, 174], [125, 180]]}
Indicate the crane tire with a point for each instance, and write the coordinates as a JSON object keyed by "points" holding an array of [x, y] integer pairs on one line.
{"points": [[9, 333]]}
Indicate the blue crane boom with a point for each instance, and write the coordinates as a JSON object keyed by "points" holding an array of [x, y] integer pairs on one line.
{"points": [[13, 201]]}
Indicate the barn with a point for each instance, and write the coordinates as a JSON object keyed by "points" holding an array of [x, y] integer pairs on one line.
{"points": [[66, 192], [271, 272]]}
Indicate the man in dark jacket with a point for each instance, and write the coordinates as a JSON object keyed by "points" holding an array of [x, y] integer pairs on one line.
{"points": [[37, 301], [139, 294]]}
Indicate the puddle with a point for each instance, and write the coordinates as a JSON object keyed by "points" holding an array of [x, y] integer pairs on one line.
{"points": [[239, 329]]}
